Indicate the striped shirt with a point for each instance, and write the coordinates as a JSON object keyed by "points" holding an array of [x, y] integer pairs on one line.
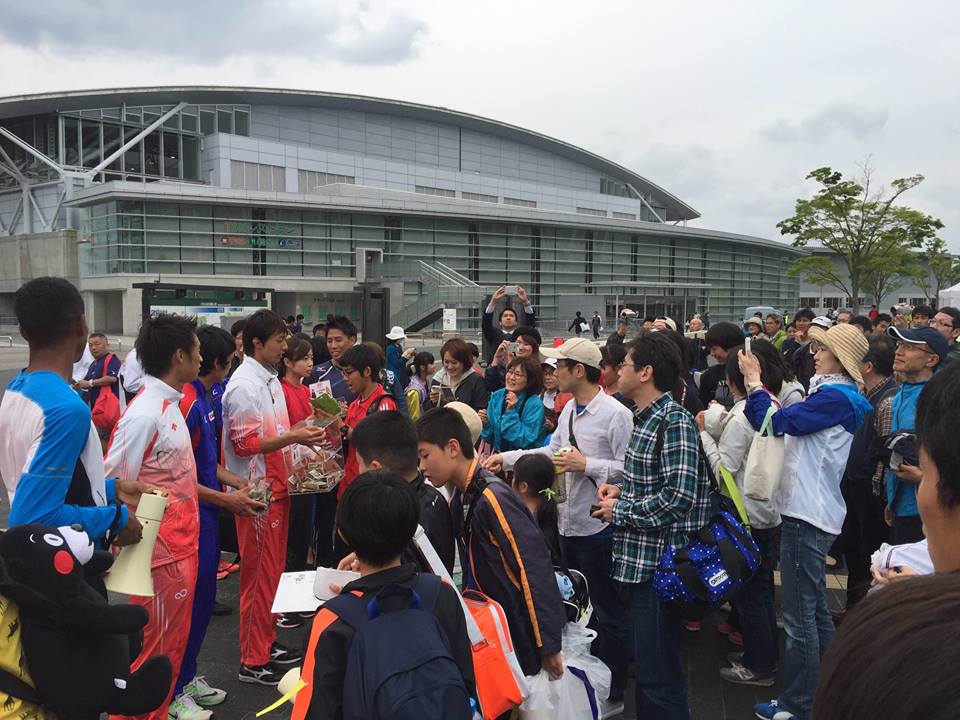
{"points": [[664, 496]]}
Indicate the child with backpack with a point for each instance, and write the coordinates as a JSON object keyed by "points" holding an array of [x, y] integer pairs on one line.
{"points": [[394, 642], [504, 555]]}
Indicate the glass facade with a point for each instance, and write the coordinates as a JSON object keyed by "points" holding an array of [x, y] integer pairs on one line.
{"points": [[145, 237], [40, 131], [171, 151]]}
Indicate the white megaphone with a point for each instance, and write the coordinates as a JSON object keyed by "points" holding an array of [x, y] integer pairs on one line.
{"points": [[130, 573]]}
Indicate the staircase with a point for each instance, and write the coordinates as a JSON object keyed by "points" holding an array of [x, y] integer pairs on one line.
{"points": [[437, 287]]}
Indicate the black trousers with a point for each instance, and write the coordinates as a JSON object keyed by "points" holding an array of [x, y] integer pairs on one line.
{"points": [[907, 529], [864, 530]]}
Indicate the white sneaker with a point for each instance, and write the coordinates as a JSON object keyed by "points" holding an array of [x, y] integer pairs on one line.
{"points": [[204, 695], [185, 708]]}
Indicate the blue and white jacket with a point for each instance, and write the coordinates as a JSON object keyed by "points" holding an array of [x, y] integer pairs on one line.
{"points": [[51, 459], [819, 433]]}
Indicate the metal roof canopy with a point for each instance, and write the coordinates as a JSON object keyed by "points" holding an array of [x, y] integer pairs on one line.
{"points": [[45, 103]]}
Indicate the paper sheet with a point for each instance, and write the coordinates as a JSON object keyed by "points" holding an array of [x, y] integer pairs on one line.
{"points": [[306, 591]]}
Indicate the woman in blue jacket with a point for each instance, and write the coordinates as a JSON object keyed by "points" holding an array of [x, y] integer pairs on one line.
{"points": [[821, 431], [514, 418]]}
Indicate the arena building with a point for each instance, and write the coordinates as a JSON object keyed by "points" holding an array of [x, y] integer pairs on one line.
{"points": [[218, 200]]}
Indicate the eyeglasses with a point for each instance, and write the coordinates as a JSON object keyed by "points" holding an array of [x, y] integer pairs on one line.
{"points": [[515, 373], [816, 346], [347, 371], [922, 347], [945, 324]]}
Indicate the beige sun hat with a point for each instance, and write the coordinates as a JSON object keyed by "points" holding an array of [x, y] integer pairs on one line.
{"points": [[847, 344]]}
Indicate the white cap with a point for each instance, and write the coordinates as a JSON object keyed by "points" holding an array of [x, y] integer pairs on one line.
{"points": [[669, 322], [579, 350], [823, 321], [552, 362], [396, 333], [470, 417]]}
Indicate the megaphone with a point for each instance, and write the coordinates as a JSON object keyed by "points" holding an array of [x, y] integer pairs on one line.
{"points": [[290, 685], [130, 573]]}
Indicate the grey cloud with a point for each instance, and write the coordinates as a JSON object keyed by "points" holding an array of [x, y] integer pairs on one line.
{"points": [[210, 31], [854, 120]]}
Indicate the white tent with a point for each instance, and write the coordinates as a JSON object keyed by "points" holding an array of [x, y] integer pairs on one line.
{"points": [[950, 297]]}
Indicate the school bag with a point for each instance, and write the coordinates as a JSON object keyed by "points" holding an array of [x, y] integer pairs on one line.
{"points": [[400, 665]]}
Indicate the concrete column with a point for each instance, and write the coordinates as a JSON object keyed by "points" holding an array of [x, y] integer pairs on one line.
{"points": [[89, 309], [132, 311]]}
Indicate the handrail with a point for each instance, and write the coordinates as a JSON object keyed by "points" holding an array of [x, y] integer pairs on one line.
{"points": [[8, 338]]}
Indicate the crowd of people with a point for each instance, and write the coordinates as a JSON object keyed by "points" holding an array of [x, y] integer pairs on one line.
{"points": [[543, 460]]}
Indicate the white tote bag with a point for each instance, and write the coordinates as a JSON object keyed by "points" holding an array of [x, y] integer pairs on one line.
{"points": [[761, 477]]}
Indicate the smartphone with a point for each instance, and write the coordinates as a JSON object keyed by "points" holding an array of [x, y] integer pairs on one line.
{"points": [[510, 289], [746, 346], [513, 347], [593, 509]]}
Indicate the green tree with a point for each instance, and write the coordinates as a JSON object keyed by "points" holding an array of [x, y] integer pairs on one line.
{"points": [[863, 226], [888, 272], [941, 270]]}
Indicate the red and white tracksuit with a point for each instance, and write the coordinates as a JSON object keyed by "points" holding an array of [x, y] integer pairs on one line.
{"points": [[254, 409], [151, 443]]}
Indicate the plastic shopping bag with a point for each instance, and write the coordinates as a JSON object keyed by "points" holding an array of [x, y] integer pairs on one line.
{"points": [[540, 703], [576, 654], [565, 699]]}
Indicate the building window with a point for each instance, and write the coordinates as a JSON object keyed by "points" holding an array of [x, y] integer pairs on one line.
{"points": [[634, 256], [613, 187], [624, 216], [473, 245], [392, 235], [588, 273], [809, 302], [439, 192], [592, 211], [479, 197], [534, 265], [311, 182], [253, 176], [518, 201]]}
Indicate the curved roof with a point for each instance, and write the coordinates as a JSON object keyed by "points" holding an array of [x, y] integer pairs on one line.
{"points": [[44, 103]]}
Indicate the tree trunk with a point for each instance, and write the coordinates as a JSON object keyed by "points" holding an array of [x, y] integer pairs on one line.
{"points": [[855, 289]]}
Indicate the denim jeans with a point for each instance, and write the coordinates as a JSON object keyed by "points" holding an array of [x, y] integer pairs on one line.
{"points": [[592, 556], [806, 618], [756, 612], [661, 687]]}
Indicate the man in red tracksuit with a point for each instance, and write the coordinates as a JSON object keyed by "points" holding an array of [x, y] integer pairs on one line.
{"points": [[256, 446]]}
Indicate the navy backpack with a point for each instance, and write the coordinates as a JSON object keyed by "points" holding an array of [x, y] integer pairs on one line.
{"points": [[400, 665]]}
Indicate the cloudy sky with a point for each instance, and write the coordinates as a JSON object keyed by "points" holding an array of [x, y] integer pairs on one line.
{"points": [[727, 105]]}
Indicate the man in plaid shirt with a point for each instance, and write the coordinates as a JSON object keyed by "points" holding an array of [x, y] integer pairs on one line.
{"points": [[662, 500]]}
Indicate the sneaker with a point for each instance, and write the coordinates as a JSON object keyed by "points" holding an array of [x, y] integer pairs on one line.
{"points": [[261, 674], [184, 707], [610, 709], [771, 711], [289, 621], [740, 675], [280, 655], [226, 567], [736, 638], [692, 625], [204, 695], [725, 628], [220, 609], [735, 657]]}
